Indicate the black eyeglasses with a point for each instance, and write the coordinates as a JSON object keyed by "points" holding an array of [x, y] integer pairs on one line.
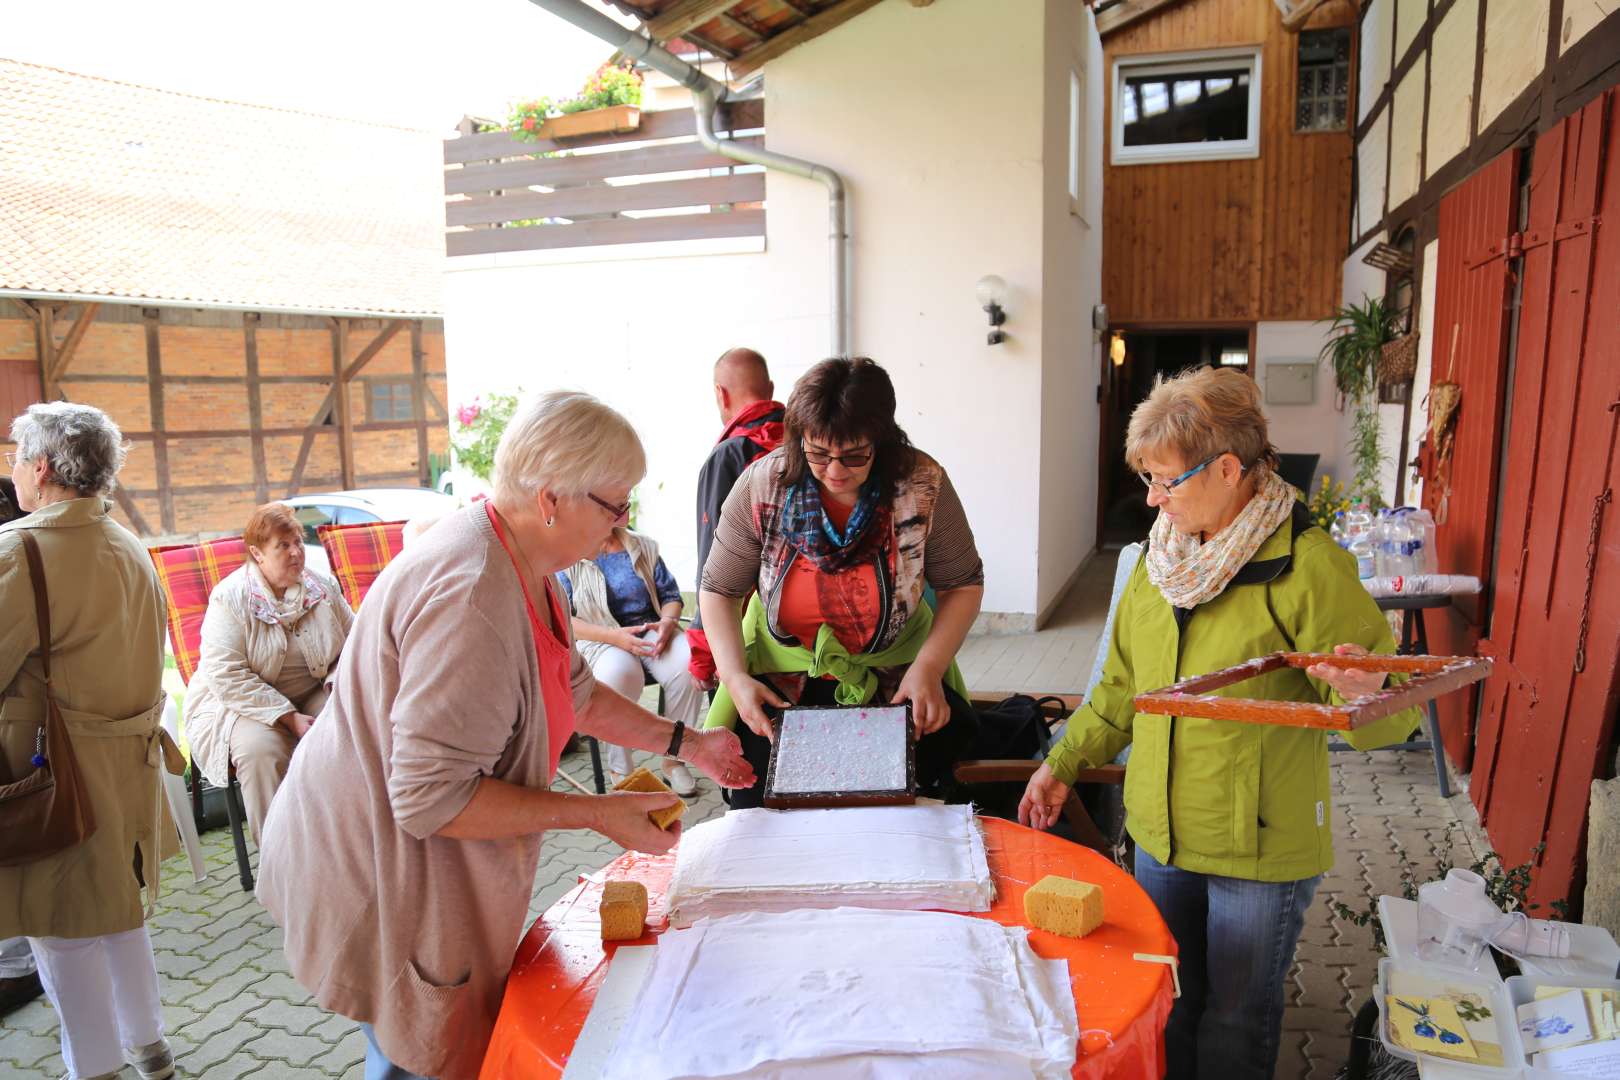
{"points": [[856, 460], [620, 511]]}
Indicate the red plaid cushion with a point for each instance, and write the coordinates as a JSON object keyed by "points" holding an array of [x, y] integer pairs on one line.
{"points": [[358, 554], [189, 573]]}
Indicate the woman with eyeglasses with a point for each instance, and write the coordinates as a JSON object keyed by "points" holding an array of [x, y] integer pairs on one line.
{"points": [[1231, 820], [400, 852], [838, 532]]}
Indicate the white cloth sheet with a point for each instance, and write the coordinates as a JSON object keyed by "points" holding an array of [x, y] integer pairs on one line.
{"points": [[905, 857], [849, 992]]}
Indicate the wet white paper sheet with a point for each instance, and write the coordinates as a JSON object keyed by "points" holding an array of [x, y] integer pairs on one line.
{"points": [[849, 992]]}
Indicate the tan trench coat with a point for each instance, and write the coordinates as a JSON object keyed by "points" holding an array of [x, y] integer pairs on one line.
{"points": [[242, 657], [107, 619]]}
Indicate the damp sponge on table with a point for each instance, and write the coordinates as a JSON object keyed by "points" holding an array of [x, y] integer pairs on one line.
{"points": [[623, 910], [1064, 906], [646, 781]]}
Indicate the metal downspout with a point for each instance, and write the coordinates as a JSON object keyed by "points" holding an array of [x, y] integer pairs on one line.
{"points": [[707, 94]]}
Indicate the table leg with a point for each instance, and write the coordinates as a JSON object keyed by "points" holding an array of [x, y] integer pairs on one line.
{"points": [[1421, 640]]}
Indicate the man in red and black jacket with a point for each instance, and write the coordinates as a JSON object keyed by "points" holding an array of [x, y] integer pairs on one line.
{"points": [[753, 420]]}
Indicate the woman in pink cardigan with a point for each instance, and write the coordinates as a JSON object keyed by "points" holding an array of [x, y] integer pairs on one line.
{"points": [[400, 853]]}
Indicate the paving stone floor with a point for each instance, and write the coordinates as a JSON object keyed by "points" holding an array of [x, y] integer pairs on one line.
{"points": [[233, 1011]]}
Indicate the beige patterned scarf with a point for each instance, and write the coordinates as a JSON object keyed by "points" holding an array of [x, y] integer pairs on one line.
{"points": [[1189, 573]]}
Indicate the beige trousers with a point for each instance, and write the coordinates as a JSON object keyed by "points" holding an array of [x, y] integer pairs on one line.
{"points": [[261, 754]]}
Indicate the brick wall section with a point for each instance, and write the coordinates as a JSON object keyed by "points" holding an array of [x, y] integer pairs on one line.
{"points": [[211, 346]]}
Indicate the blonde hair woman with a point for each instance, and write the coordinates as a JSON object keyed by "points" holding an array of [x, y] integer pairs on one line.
{"points": [[1231, 821], [401, 851]]}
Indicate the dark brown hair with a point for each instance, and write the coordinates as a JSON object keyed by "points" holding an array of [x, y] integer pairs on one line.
{"points": [[847, 401], [269, 520]]}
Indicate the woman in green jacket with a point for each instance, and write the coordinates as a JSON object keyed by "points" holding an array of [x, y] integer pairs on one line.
{"points": [[1230, 819]]}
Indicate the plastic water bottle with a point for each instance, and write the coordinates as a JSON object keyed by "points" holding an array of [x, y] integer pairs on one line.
{"points": [[1338, 531], [1397, 557], [1361, 546], [1420, 542]]}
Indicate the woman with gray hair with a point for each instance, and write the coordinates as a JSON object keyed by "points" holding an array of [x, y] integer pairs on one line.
{"points": [[81, 908], [400, 852]]}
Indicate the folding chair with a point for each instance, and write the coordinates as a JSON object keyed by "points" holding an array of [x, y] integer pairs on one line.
{"points": [[188, 573], [1112, 775], [358, 554]]}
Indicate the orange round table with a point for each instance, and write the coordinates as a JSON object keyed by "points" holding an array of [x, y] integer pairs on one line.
{"points": [[1122, 1003]]}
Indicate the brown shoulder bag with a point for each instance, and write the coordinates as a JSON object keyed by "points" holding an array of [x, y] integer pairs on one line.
{"points": [[49, 810]]}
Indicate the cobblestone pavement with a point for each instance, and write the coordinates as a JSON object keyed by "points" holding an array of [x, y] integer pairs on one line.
{"points": [[232, 1010]]}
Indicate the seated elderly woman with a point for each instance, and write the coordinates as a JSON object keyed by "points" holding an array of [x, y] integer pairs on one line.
{"points": [[627, 610], [840, 529], [270, 643], [1231, 820], [401, 852]]}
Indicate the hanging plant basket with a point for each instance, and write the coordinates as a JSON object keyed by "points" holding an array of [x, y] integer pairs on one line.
{"points": [[1397, 362], [612, 119]]}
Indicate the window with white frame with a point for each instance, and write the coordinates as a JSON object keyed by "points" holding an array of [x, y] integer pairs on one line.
{"points": [[1188, 107]]}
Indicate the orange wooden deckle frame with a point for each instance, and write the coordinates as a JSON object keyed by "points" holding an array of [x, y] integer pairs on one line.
{"points": [[1432, 676]]}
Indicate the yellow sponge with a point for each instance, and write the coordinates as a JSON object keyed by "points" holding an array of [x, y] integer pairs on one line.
{"points": [[623, 910], [1064, 906], [645, 780]]}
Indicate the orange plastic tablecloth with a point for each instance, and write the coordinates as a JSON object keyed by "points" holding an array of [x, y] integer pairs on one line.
{"points": [[1122, 1003]]}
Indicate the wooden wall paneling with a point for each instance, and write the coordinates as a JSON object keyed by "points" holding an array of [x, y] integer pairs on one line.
{"points": [[1236, 240], [160, 442], [1471, 306], [250, 348], [1547, 723], [419, 403]]}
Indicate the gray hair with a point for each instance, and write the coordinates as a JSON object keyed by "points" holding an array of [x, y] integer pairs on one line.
{"points": [[80, 443], [568, 442]]}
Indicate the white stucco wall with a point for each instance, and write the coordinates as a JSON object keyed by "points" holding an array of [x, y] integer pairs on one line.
{"points": [[1301, 429], [1071, 364], [944, 143]]}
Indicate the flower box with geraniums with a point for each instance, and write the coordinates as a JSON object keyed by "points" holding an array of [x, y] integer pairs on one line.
{"points": [[479, 425], [609, 103]]}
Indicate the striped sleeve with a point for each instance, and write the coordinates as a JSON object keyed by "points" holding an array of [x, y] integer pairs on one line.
{"points": [[951, 559]]}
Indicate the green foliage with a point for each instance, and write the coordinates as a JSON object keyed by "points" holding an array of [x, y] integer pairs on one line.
{"points": [[479, 425], [1327, 500], [611, 84], [1507, 887], [1358, 334]]}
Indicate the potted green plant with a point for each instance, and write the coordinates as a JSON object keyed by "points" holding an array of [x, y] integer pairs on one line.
{"points": [[609, 102], [1357, 335]]}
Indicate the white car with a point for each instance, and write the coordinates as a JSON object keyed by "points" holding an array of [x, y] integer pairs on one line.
{"points": [[360, 507]]}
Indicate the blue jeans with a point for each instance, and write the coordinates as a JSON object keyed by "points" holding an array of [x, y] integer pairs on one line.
{"points": [[1236, 939], [378, 1067]]}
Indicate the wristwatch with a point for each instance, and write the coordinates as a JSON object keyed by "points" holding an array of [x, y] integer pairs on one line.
{"points": [[675, 739]]}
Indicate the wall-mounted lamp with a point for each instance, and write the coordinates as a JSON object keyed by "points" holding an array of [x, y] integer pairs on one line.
{"points": [[991, 291], [1116, 349]]}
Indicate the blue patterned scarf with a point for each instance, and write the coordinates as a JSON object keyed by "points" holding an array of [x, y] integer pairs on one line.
{"points": [[806, 526]]}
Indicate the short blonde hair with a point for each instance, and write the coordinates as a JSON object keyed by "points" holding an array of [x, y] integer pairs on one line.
{"points": [[1199, 414], [568, 442]]}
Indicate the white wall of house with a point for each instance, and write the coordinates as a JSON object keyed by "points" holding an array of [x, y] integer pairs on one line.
{"points": [[945, 143], [1301, 429]]}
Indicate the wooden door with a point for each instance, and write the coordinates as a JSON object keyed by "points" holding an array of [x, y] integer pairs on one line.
{"points": [[1473, 290], [1548, 713]]}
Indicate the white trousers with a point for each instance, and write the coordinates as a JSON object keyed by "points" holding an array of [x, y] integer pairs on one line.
{"points": [[624, 673], [105, 990], [16, 958]]}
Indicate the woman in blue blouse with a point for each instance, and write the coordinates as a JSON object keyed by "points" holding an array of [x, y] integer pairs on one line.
{"points": [[626, 609]]}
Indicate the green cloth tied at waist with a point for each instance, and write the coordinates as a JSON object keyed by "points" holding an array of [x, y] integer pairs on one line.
{"points": [[856, 672]]}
